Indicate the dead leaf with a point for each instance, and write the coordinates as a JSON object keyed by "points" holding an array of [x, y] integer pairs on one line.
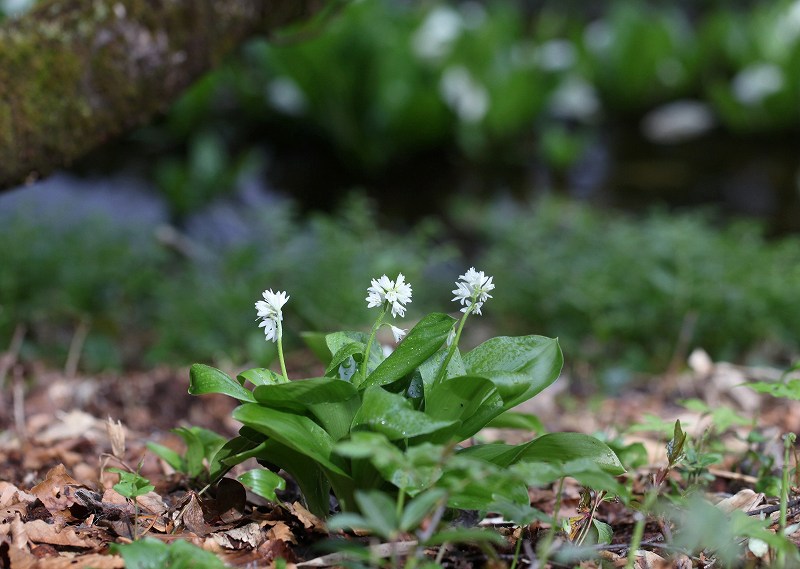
{"points": [[649, 560], [382, 550], [116, 435], [56, 491], [39, 531], [281, 532], [10, 495], [192, 517], [309, 520], [248, 536], [744, 500]]}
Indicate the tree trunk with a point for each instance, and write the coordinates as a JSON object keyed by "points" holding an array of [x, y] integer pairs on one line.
{"points": [[75, 73]]}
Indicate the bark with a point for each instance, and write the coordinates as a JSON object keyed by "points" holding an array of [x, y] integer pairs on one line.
{"points": [[75, 73]]}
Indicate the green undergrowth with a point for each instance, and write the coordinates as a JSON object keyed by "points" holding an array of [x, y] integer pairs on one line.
{"points": [[624, 294]]}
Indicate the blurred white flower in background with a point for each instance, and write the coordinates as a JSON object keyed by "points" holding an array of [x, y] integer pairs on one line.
{"points": [[435, 37], [464, 95], [756, 82]]}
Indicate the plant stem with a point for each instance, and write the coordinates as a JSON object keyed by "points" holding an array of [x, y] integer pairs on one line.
{"points": [[365, 362], [788, 441], [544, 548], [401, 498], [280, 351], [638, 529], [518, 547], [453, 346]]}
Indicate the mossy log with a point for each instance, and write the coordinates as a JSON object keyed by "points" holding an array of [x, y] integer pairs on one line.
{"points": [[75, 73]]}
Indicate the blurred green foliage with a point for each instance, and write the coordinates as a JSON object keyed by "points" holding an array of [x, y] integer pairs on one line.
{"points": [[624, 290], [618, 291], [382, 80]]}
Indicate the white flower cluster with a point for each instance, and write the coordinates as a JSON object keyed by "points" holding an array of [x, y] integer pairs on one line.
{"points": [[269, 311], [473, 287], [397, 293]]}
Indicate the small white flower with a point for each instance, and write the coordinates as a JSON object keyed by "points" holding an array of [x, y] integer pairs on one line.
{"points": [[397, 293], [473, 289], [270, 313], [398, 333]]}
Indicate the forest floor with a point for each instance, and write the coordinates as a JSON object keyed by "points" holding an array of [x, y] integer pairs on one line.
{"points": [[58, 508]]}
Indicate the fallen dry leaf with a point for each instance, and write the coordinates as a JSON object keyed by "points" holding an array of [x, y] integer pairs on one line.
{"points": [[39, 531], [309, 520], [281, 532], [247, 536]]}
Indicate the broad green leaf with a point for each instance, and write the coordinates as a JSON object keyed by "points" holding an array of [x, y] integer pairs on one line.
{"points": [[167, 455], [195, 453], [379, 511], [392, 415], [412, 471], [150, 553], [263, 482], [332, 401], [422, 342], [520, 367], [236, 446], [430, 368], [421, 506], [336, 341], [515, 420], [260, 376], [471, 401], [604, 532], [345, 352], [295, 431], [348, 520], [558, 448], [206, 379]]}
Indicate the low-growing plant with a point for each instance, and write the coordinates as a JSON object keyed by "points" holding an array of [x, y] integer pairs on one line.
{"points": [[394, 422], [201, 446]]}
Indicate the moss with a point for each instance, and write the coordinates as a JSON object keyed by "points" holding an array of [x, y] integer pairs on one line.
{"points": [[74, 74]]}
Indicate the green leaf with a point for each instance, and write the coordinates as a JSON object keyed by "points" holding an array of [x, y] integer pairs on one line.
{"points": [[263, 482], [422, 342], [195, 452], [347, 351], [515, 420], [150, 553], [520, 367], [392, 415], [147, 553], [557, 448], [167, 455], [332, 401], [260, 376], [218, 465], [788, 390], [470, 401], [206, 379], [604, 532], [412, 471], [379, 511], [422, 505], [131, 484], [296, 432]]}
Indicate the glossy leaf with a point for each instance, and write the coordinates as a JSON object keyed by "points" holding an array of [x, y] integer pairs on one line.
{"points": [[345, 352], [295, 431], [520, 367], [422, 341], [558, 448], [392, 415], [263, 482], [516, 420], [332, 401], [260, 376], [470, 401], [206, 379]]}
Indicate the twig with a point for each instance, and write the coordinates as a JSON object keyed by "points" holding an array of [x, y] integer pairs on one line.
{"points": [[767, 510], [76, 347], [9, 359]]}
